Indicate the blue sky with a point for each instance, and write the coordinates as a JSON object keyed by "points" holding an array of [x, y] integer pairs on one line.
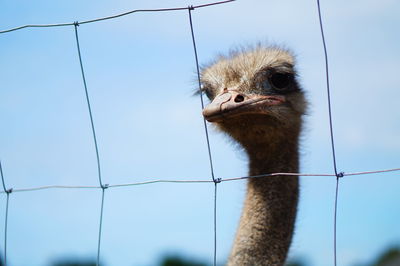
{"points": [[140, 72]]}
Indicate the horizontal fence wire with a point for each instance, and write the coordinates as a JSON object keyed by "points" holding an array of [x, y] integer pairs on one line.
{"points": [[188, 181], [112, 17]]}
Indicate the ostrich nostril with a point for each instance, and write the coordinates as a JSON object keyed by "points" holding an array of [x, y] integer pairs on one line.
{"points": [[239, 98]]}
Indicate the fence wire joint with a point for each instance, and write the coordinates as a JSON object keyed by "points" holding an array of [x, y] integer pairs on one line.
{"points": [[340, 175]]}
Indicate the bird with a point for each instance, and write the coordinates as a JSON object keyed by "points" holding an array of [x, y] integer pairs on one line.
{"points": [[256, 99]]}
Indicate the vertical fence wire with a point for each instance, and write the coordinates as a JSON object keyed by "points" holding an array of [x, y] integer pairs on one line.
{"points": [[6, 228], [215, 180], [2, 178], [103, 186], [100, 227], [76, 24], [215, 222], [7, 191], [328, 89], [338, 175], [201, 94]]}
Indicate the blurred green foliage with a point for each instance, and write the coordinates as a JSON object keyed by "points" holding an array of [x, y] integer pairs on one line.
{"points": [[175, 260], [296, 262], [74, 262], [390, 257]]}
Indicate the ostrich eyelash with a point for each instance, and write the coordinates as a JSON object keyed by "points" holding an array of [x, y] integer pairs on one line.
{"points": [[203, 89]]}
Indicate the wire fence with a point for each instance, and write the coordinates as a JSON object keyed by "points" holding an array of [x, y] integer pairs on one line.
{"points": [[213, 179]]}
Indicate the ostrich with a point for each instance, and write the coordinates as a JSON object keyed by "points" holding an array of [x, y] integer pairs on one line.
{"points": [[256, 100]]}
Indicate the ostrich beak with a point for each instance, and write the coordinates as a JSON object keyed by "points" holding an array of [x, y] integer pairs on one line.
{"points": [[233, 103]]}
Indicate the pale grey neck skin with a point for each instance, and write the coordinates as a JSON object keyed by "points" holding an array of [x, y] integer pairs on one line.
{"points": [[269, 212]]}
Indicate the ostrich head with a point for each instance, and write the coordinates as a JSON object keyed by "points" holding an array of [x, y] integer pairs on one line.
{"points": [[255, 96]]}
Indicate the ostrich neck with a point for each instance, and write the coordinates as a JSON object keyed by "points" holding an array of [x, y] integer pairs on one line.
{"points": [[269, 212]]}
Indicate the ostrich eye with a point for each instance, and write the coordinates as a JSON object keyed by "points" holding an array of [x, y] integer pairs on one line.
{"points": [[208, 94], [208, 91], [280, 80]]}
